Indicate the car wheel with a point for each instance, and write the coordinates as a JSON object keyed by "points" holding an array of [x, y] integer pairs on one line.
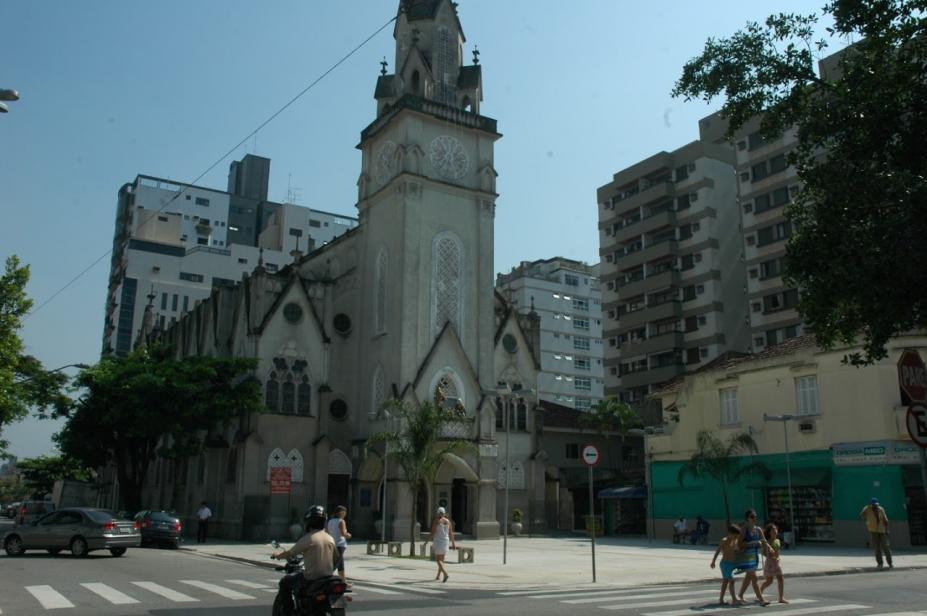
{"points": [[53, 551], [79, 547], [117, 551], [14, 546]]}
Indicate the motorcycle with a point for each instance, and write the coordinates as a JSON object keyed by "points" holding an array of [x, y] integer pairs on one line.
{"points": [[327, 596]]}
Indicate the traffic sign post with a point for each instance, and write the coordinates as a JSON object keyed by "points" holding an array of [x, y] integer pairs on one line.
{"points": [[590, 455]]}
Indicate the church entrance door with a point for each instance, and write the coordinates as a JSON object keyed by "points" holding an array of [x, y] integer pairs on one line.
{"points": [[339, 487], [459, 503]]}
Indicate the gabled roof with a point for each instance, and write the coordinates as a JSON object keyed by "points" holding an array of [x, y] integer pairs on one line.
{"points": [[734, 359], [446, 332], [508, 314]]}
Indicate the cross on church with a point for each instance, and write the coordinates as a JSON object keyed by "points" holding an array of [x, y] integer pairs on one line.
{"points": [[383, 65], [476, 56]]}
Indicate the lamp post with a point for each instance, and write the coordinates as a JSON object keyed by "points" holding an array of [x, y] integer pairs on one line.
{"points": [[507, 393], [785, 418], [389, 418], [32, 378]]}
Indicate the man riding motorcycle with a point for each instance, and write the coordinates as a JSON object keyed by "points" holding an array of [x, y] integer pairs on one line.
{"points": [[319, 555]]}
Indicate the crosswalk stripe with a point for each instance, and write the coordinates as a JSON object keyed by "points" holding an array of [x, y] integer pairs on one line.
{"points": [[805, 610], [424, 591], [772, 606], [899, 614], [248, 584], [222, 591], [167, 593], [374, 589], [628, 606], [50, 598], [109, 593], [661, 595], [540, 593]]}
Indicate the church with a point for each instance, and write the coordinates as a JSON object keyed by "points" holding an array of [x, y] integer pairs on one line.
{"points": [[400, 307]]}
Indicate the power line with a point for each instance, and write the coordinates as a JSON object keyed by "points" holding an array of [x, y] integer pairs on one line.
{"points": [[220, 159]]}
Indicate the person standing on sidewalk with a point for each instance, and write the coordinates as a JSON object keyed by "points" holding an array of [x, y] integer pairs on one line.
{"points": [[202, 520], [338, 529], [877, 525]]}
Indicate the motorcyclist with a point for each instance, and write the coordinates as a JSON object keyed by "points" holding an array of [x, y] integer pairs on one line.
{"points": [[319, 555]]}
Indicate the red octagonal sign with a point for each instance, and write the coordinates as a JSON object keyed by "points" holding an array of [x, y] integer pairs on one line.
{"points": [[912, 376]]}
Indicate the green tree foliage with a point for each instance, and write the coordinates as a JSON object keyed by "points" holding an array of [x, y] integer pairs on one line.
{"points": [[24, 384], [41, 473], [151, 403], [723, 462], [415, 441], [860, 221], [611, 417]]}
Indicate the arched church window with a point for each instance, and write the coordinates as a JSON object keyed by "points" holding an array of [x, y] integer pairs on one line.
{"points": [[305, 395], [272, 393], [466, 103], [295, 462], [447, 258], [382, 268], [521, 416], [276, 459], [378, 392], [289, 395]]}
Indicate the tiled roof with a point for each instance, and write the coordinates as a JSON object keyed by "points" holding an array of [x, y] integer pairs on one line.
{"points": [[733, 359], [559, 416]]}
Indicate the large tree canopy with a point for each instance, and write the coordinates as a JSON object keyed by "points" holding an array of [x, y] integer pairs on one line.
{"points": [[41, 473], [860, 221], [24, 383], [151, 403]]}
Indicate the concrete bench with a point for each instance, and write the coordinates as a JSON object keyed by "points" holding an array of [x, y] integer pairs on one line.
{"points": [[374, 547], [464, 555], [394, 548]]}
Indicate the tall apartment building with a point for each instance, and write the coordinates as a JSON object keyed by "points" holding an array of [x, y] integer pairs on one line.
{"points": [[672, 269], [174, 242], [566, 296], [766, 183]]}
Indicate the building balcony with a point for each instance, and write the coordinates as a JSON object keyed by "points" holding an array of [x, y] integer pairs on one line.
{"points": [[663, 248], [651, 193], [666, 310], [654, 344], [651, 283], [652, 376]]}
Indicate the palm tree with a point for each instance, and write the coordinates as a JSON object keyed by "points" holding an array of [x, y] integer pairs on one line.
{"points": [[722, 461], [609, 416], [417, 443]]}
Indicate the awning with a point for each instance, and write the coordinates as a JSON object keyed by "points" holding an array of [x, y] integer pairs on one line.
{"points": [[624, 492]]}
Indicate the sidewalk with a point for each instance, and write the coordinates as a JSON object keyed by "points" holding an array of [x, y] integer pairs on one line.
{"points": [[543, 562]]}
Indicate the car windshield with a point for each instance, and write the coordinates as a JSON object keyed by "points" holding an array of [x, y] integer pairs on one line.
{"points": [[162, 516]]}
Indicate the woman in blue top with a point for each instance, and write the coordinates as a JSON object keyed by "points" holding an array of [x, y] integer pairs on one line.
{"points": [[751, 540]]}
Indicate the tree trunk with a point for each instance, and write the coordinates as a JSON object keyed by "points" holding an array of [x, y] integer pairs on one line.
{"points": [[180, 484], [414, 513], [727, 507]]}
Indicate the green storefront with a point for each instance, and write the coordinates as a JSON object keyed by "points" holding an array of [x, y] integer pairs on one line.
{"points": [[829, 488]]}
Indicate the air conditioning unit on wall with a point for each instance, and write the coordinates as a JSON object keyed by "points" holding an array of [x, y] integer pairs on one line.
{"points": [[807, 426]]}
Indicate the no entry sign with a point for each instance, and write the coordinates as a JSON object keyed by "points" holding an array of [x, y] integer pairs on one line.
{"points": [[590, 455]]}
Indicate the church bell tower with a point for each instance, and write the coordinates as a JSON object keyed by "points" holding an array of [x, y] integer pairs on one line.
{"points": [[426, 196]]}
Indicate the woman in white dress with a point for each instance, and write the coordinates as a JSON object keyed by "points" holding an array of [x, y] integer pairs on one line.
{"points": [[442, 534]]}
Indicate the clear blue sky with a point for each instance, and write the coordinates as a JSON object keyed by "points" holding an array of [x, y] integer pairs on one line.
{"points": [[114, 88]]}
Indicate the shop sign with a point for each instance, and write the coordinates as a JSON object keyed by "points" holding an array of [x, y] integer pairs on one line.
{"points": [[875, 452]]}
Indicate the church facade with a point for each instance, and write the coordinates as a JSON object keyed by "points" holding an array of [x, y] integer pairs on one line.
{"points": [[401, 306]]}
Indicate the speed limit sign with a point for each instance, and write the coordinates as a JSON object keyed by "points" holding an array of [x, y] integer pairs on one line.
{"points": [[590, 455]]}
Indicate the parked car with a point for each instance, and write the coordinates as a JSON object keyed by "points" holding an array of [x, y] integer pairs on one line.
{"points": [[29, 511], [159, 528], [78, 529]]}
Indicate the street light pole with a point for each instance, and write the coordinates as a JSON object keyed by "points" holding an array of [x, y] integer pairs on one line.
{"points": [[788, 467], [35, 376], [508, 476], [385, 478]]}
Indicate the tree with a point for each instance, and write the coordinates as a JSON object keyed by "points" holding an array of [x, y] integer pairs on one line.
{"points": [[415, 441], [859, 222], [23, 381], [41, 473], [610, 417], [150, 404], [722, 461]]}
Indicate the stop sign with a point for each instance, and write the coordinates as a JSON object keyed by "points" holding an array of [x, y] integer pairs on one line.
{"points": [[912, 376]]}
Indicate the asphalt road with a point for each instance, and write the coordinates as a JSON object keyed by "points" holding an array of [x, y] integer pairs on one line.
{"points": [[174, 583]]}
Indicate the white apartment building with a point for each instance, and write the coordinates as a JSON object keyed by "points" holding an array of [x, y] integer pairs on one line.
{"points": [[175, 242], [565, 295]]}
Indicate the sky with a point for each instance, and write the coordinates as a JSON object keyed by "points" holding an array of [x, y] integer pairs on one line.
{"points": [[114, 88]]}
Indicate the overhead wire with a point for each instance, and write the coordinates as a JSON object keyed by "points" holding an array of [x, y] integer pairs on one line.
{"points": [[254, 132]]}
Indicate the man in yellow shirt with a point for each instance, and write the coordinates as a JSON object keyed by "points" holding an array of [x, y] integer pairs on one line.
{"points": [[877, 525]]}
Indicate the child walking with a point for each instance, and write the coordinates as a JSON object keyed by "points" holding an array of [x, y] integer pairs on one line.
{"points": [[772, 569], [728, 550]]}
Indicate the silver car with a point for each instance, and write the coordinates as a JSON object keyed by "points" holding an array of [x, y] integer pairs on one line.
{"points": [[78, 529]]}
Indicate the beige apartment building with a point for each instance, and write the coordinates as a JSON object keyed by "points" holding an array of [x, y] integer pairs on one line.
{"points": [[672, 271]]}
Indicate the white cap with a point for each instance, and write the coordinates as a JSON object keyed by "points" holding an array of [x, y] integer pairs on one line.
{"points": [[441, 510]]}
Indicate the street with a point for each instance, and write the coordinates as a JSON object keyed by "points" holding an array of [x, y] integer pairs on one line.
{"points": [[171, 583]]}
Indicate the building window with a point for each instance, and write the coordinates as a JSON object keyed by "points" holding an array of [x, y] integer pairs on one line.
{"points": [[692, 356], [581, 304], [202, 201], [379, 313], [448, 260], [581, 363], [778, 164], [272, 393], [164, 301], [186, 303], [572, 451], [581, 344], [174, 301], [806, 390], [315, 223], [582, 384], [289, 396], [304, 397], [190, 277], [571, 280], [378, 391], [581, 324], [729, 412]]}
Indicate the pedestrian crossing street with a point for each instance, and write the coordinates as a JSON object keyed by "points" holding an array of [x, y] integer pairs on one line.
{"points": [[142, 593], [690, 601]]}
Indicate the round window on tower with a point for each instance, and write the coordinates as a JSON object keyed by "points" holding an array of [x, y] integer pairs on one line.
{"points": [[338, 409], [509, 343], [342, 323], [292, 312]]}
